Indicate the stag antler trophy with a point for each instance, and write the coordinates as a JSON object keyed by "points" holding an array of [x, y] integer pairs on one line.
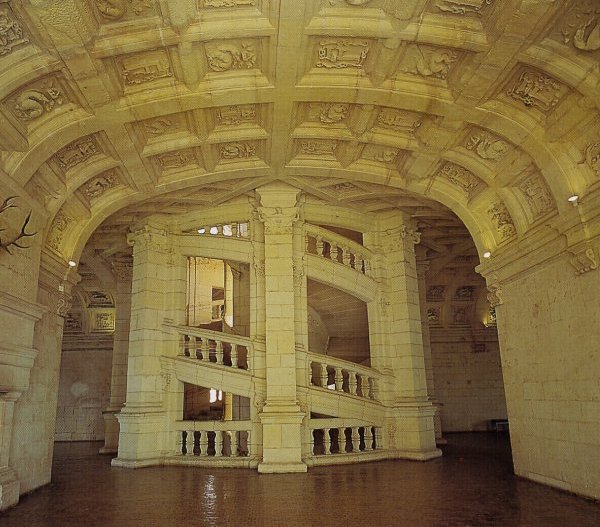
{"points": [[14, 241]]}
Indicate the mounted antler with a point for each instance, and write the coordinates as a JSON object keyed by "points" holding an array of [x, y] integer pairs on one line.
{"points": [[8, 203]]}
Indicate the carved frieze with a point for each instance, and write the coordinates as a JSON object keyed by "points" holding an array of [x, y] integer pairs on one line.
{"points": [[461, 177], [328, 113], [465, 292], [400, 237], [538, 195], [237, 114], [37, 100], [240, 150], [462, 7], [342, 53], [175, 160], [104, 322], [435, 293], [427, 61], [581, 26], [77, 152], [398, 120], [278, 220], [460, 315], [100, 184], [318, 147], [486, 145], [12, 34], [344, 188], [592, 157], [536, 90], [502, 219], [434, 315], [73, 323], [226, 56], [144, 67]]}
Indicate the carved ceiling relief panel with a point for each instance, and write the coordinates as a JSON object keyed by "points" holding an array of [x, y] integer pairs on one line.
{"points": [[317, 147], [116, 10], [12, 32], [502, 220], [399, 120], [537, 195], [236, 114], [144, 67], [77, 153], [486, 145], [57, 231], [231, 55], [342, 53], [581, 27], [382, 154], [461, 7], [403, 10], [237, 151], [592, 157], [536, 90], [328, 113], [155, 128], [172, 161], [427, 61], [228, 3], [98, 185], [37, 100], [461, 177]]}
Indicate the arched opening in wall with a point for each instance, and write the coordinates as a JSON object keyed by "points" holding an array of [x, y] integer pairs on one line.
{"points": [[462, 351]]}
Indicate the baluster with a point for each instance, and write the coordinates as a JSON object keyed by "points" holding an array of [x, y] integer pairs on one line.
{"points": [[218, 443], [367, 267], [180, 441], [339, 379], [248, 367], [326, 441], [248, 443], [341, 441], [320, 245], [372, 389], [307, 242], [368, 435], [234, 356], [234, 443], [204, 443], [234, 230], [219, 351], [346, 256], [352, 383], [333, 251], [360, 391], [324, 375], [184, 344], [205, 349], [377, 437], [189, 443], [355, 439]]}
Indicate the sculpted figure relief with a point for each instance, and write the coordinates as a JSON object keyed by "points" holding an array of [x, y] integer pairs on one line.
{"points": [[11, 33], [487, 146], [32, 104], [427, 62], [592, 157], [231, 56], [111, 9], [582, 26]]}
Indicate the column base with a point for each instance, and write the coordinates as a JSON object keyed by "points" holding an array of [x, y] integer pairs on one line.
{"points": [[141, 437], [281, 468], [282, 440], [111, 431], [9, 488], [418, 456]]}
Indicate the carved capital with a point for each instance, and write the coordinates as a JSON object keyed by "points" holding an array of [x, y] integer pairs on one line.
{"points": [[399, 237], [278, 220], [148, 238], [63, 303], [494, 295]]}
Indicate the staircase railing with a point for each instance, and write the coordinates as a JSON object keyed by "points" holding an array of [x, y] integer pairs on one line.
{"points": [[343, 436], [212, 439], [339, 249], [215, 347], [343, 376]]}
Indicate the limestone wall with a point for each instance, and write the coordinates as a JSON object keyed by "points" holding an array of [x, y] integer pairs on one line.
{"points": [[549, 333], [468, 380], [84, 391]]}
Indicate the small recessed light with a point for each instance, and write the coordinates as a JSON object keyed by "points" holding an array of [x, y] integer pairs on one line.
{"points": [[72, 263], [487, 254], [573, 198], [201, 231]]}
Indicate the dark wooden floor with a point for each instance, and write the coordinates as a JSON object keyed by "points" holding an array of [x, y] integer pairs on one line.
{"points": [[472, 485]]}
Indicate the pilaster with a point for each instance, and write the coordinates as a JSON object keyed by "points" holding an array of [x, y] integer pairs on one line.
{"points": [[281, 416]]}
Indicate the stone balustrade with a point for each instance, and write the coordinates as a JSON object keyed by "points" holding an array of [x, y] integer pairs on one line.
{"points": [[216, 347], [228, 230], [343, 376], [339, 249], [216, 439], [336, 436]]}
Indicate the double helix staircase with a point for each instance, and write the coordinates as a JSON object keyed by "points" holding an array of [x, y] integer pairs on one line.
{"points": [[344, 416]]}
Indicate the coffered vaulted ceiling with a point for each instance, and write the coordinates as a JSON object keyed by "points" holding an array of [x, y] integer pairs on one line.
{"points": [[487, 109]]}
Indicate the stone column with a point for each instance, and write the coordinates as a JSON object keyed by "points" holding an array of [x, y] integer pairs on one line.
{"points": [[281, 416], [157, 299], [422, 268], [123, 271], [399, 351]]}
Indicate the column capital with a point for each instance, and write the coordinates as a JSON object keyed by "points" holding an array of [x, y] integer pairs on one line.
{"points": [[278, 208]]}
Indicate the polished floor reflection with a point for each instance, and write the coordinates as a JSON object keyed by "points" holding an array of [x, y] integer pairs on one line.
{"points": [[472, 485]]}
